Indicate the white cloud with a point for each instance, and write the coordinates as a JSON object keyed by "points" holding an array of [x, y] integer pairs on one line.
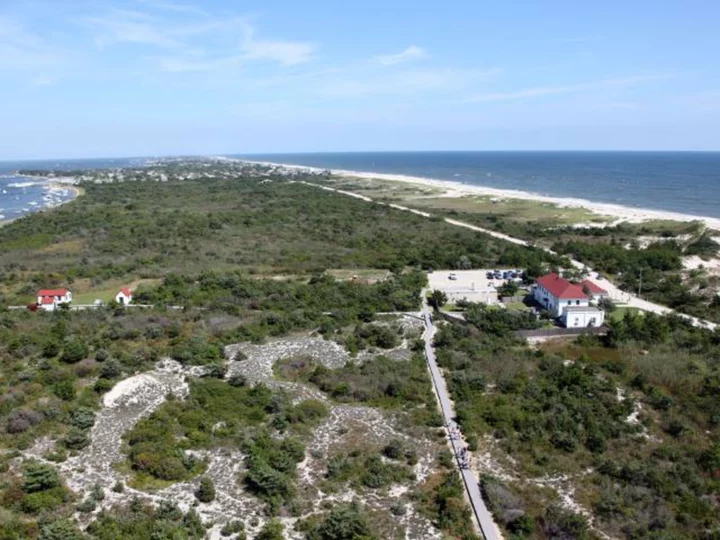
{"points": [[173, 6], [411, 53], [607, 84], [414, 82], [196, 45], [287, 53], [21, 51]]}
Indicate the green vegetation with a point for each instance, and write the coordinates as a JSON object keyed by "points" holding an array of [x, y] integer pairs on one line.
{"points": [[379, 382], [654, 271], [143, 522], [632, 419], [344, 522], [226, 221], [441, 499]]}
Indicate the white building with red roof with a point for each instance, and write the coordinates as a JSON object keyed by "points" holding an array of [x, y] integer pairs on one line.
{"points": [[567, 301], [595, 291], [124, 297], [49, 299]]}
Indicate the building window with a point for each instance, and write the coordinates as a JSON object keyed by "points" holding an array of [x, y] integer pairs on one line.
{"points": [[569, 302], [577, 302]]}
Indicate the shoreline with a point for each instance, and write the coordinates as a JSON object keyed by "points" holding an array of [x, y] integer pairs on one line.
{"points": [[451, 188], [49, 187]]}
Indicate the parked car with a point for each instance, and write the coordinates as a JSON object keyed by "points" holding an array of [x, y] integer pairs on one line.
{"points": [[489, 275], [452, 276]]}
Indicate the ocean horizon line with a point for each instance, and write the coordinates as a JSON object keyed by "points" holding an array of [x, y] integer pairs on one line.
{"points": [[312, 152]]}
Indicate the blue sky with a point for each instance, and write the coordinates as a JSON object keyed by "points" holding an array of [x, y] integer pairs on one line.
{"points": [[104, 78]]}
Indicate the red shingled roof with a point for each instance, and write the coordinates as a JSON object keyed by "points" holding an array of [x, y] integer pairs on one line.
{"points": [[561, 288], [47, 300], [126, 291], [52, 292], [593, 287]]}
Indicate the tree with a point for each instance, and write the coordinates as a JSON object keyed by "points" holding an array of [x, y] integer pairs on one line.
{"points": [[509, 288], [607, 305], [206, 491], [437, 299]]}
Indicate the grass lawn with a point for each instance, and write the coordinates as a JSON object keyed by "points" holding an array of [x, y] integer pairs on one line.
{"points": [[106, 295], [620, 311], [371, 275], [517, 306]]}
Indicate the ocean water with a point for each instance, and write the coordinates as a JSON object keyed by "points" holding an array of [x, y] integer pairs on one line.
{"points": [[685, 182], [20, 195]]}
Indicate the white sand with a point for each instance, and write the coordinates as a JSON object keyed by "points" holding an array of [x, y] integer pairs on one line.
{"points": [[457, 189]]}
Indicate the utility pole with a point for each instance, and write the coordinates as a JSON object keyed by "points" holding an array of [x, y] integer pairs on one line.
{"points": [[640, 283]]}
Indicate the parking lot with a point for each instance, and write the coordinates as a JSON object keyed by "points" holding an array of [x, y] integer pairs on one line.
{"points": [[470, 285]]}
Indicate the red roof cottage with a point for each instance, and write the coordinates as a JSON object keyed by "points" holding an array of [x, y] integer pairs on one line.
{"points": [[49, 299]]}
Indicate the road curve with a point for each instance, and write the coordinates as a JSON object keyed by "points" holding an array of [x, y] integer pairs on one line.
{"points": [[615, 292]]}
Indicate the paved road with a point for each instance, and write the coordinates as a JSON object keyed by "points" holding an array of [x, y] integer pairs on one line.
{"points": [[484, 517], [615, 293]]}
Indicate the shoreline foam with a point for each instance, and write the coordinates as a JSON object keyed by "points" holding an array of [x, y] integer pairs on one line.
{"points": [[451, 188], [49, 186]]}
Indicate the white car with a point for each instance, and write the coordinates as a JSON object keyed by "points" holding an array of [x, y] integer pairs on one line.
{"points": [[452, 276]]}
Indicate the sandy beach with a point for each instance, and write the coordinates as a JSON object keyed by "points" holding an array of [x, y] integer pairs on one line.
{"points": [[617, 213], [51, 187]]}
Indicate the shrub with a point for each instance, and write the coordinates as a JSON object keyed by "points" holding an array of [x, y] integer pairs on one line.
{"points": [[237, 380], [103, 385], [206, 491], [61, 530], [76, 439], [110, 370], [82, 418], [21, 420], [233, 527], [561, 523], [39, 477], [65, 390], [394, 449], [273, 530], [345, 522], [74, 351]]}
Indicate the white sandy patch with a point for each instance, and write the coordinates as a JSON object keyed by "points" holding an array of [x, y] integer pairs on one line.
{"points": [[693, 262]]}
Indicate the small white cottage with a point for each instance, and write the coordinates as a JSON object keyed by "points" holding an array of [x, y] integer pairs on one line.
{"points": [[124, 297], [49, 299]]}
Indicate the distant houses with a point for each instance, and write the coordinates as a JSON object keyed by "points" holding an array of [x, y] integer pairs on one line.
{"points": [[570, 302], [50, 299], [124, 297]]}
